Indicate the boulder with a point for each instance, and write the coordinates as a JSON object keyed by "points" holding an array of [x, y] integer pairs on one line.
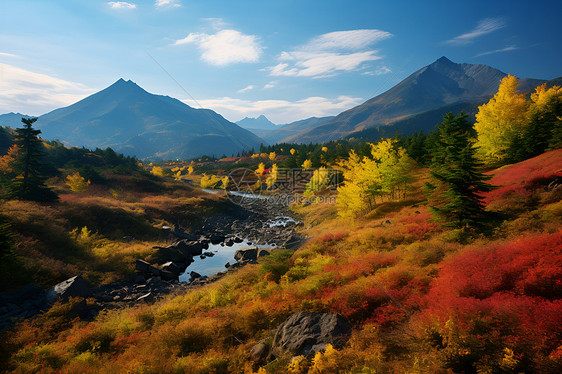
{"points": [[259, 352], [229, 242], [238, 239], [216, 239], [263, 252], [166, 254], [172, 267], [179, 233], [193, 275], [142, 266], [246, 254], [168, 275], [72, 287], [306, 333]]}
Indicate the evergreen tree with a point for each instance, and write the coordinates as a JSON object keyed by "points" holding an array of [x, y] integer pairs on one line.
{"points": [[455, 169], [29, 183]]}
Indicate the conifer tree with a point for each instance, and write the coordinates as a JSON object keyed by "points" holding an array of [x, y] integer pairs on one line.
{"points": [[455, 167], [29, 183]]}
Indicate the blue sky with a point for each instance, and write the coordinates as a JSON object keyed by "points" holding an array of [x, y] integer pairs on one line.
{"points": [[286, 59]]}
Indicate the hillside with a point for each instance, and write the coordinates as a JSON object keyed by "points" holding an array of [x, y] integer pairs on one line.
{"points": [[439, 84], [132, 121], [397, 276]]}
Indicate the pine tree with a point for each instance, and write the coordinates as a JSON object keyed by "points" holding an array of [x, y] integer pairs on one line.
{"points": [[29, 183], [455, 168]]}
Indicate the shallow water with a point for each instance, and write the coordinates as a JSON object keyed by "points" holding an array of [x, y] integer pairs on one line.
{"points": [[222, 254]]}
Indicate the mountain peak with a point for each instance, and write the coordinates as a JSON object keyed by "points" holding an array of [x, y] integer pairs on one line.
{"points": [[444, 59], [260, 122]]}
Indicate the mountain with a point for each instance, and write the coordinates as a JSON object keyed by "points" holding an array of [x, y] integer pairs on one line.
{"points": [[259, 123], [440, 84], [12, 119], [130, 120]]}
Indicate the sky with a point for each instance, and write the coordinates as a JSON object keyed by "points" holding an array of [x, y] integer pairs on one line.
{"points": [[286, 59]]}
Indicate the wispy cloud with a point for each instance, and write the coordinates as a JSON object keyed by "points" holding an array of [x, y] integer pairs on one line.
{"points": [[247, 88], [167, 4], [225, 47], [485, 26], [33, 93], [330, 54], [379, 71], [4, 54], [121, 5], [506, 49], [280, 111], [216, 23], [271, 84]]}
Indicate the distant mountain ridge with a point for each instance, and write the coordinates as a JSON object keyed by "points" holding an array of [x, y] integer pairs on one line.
{"points": [[437, 85], [12, 119], [131, 120], [258, 123]]}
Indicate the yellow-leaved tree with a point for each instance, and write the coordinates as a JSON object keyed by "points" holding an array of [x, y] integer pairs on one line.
{"points": [[272, 156], [307, 164], [293, 151], [224, 182], [386, 173], [500, 121], [319, 181], [260, 169], [190, 170], [77, 183], [272, 176], [209, 181]]}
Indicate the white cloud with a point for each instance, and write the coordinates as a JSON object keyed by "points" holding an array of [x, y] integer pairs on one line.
{"points": [[379, 71], [167, 4], [216, 23], [121, 5], [4, 54], [280, 111], [33, 93], [506, 49], [351, 40], [247, 88], [330, 54], [485, 26], [271, 84], [225, 47], [319, 65]]}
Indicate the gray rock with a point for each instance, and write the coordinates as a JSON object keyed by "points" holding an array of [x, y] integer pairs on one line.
{"points": [[216, 239], [73, 287], [178, 232], [246, 254], [259, 352], [306, 333]]}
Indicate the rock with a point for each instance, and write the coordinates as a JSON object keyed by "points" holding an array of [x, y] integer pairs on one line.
{"points": [[263, 252], [246, 254], [229, 242], [216, 239], [259, 352], [172, 267], [238, 239], [139, 279], [142, 266], [387, 222], [146, 297], [168, 275], [72, 287], [166, 228], [178, 232], [208, 254], [227, 265], [305, 333], [26, 292], [193, 275], [166, 254]]}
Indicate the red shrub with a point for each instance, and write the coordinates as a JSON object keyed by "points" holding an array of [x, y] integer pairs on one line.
{"points": [[525, 176]]}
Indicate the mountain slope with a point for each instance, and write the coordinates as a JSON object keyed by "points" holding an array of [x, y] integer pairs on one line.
{"points": [[437, 85], [130, 120], [12, 119]]}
